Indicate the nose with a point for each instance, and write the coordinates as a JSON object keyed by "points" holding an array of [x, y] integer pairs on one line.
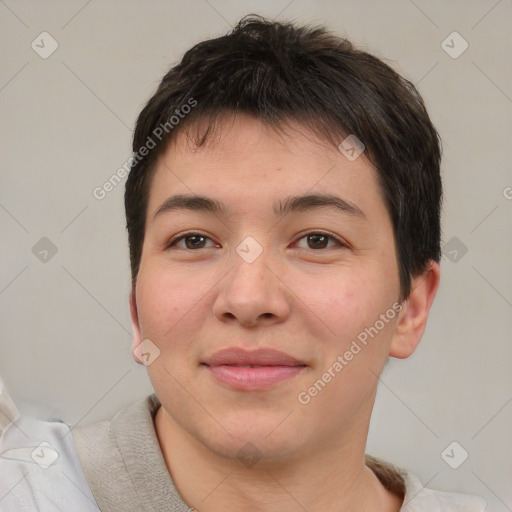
{"points": [[253, 293]]}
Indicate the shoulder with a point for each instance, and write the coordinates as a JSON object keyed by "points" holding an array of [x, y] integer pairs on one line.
{"points": [[418, 498], [104, 439], [122, 458], [39, 464], [421, 499]]}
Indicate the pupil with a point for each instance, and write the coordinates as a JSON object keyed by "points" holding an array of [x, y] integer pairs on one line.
{"points": [[318, 236], [195, 238], [315, 237]]}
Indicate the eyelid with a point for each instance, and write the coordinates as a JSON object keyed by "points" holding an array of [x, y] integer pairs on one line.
{"points": [[186, 234], [335, 237], [339, 241]]}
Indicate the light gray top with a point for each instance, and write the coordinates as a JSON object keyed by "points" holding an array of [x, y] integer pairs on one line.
{"points": [[126, 469], [118, 465], [40, 470]]}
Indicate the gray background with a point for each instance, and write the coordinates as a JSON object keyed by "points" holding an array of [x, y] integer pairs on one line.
{"points": [[66, 125]]}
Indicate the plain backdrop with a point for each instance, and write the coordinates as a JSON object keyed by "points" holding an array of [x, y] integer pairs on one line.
{"points": [[66, 127]]}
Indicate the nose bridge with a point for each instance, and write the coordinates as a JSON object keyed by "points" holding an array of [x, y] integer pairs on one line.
{"points": [[251, 289], [251, 263]]}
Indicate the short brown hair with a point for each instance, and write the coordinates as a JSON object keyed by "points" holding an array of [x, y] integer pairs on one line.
{"points": [[279, 72]]}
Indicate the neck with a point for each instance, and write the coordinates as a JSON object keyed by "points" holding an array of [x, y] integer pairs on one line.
{"points": [[313, 482]]}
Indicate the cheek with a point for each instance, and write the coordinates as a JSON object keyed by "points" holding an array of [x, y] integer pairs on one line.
{"points": [[170, 312], [166, 301], [355, 349], [344, 304], [348, 310]]}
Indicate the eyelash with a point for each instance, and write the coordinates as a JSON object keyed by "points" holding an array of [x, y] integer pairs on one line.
{"points": [[339, 242]]}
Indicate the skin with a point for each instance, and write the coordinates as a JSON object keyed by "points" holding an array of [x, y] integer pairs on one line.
{"points": [[310, 301]]}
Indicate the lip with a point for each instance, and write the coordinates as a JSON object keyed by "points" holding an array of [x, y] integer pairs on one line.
{"points": [[235, 356], [252, 370]]}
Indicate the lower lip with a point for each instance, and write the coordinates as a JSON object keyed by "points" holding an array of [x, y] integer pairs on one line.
{"points": [[250, 379]]}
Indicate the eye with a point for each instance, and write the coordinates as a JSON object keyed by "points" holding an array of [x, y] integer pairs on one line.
{"points": [[320, 239], [192, 241]]}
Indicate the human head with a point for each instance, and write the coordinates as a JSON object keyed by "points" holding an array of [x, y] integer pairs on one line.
{"points": [[278, 73], [252, 146]]}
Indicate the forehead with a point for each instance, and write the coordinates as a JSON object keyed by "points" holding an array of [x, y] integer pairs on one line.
{"points": [[247, 163]]}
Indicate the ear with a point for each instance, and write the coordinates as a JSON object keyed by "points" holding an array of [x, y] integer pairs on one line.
{"points": [[137, 339], [412, 319]]}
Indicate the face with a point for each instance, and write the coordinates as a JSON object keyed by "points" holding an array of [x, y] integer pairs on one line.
{"points": [[319, 283]]}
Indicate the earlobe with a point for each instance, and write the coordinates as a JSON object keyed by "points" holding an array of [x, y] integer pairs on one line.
{"points": [[412, 320], [135, 326]]}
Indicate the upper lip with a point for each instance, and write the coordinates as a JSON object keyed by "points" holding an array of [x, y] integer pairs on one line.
{"points": [[261, 356]]}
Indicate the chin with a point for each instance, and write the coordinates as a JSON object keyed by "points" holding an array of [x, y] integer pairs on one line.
{"points": [[253, 437], [255, 452]]}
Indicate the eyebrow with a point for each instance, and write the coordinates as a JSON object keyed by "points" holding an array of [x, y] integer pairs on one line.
{"points": [[291, 204]]}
